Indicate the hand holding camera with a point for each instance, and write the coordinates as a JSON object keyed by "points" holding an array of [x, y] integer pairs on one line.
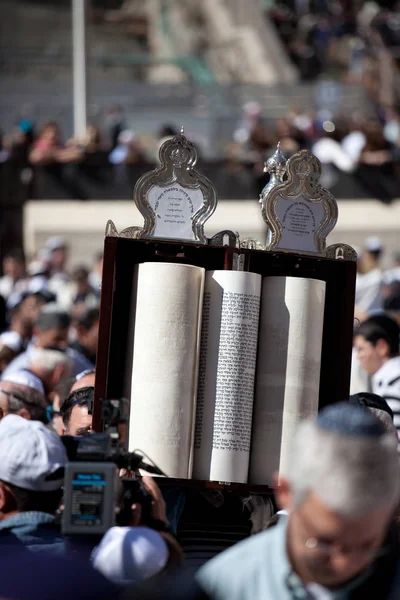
{"points": [[158, 509]]}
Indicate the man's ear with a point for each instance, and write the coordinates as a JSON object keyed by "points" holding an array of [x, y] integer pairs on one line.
{"points": [[283, 492], [25, 414], [383, 348]]}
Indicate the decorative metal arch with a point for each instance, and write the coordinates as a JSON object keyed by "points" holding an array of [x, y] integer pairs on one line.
{"points": [[304, 172], [178, 156]]}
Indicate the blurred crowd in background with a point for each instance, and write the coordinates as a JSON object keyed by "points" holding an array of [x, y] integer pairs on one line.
{"points": [[336, 42], [378, 289], [367, 147], [65, 304], [339, 38], [47, 284]]}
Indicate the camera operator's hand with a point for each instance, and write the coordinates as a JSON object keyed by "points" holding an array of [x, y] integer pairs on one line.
{"points": [[126, 474], [158, 509], [136, 515], [158, 506]]}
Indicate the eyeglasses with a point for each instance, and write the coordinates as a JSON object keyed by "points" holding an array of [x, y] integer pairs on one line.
{"points": [[313, 543], [51, 413]]}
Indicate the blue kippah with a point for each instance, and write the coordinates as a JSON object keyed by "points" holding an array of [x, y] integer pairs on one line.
{"points": [[348, 419]]}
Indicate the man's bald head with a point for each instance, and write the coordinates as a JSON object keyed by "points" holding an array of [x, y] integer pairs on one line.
{"points": [[85, 381]]}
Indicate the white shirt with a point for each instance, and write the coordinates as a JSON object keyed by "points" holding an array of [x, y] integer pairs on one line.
{"points": [[329, 151], [392, 275], [386, 383], [318, 592], [391, 131], [57, 282], [368, 290], [360, 381], [8, 286], [353, 144]]}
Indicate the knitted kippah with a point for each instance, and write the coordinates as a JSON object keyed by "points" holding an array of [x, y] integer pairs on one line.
{"points": [[349, 419]]}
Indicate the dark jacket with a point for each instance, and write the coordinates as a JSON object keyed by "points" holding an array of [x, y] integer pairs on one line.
{"points": [[34, 531], [384, 577], [84, 352]]}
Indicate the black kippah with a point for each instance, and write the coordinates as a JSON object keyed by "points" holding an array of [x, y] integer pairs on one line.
{"points": [[371, 401], [348, 419], [52, 319]]}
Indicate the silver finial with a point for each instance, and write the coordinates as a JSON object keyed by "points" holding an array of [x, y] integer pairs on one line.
{"points": [[276, 167], [182, 130], [277, 163]]}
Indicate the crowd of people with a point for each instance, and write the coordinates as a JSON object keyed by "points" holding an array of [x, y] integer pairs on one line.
{"points": [[336, 533], [376, 360], [43, 145], [367, 147], [320, 36], [330, 530], [335, 37], [363, 146], [45, 302], [48, 355], [50, 321]]}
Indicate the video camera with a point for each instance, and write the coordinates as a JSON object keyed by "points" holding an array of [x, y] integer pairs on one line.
{"points": [[95, 499]]}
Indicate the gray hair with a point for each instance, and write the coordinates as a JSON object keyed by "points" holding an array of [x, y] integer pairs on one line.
{"points": [[32, 401], [47, 360], [385, 419], [52, 317], [261, 510], [350, 474]]}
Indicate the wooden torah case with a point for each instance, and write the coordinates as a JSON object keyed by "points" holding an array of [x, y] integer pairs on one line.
{"points": [[335, 266]]}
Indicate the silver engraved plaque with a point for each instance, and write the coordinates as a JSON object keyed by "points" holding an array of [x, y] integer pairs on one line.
{"points": [[174, 199], [300, 213]]}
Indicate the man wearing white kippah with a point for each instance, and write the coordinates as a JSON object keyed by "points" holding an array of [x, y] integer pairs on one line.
{"points": [[32, 461], [128, 555]]}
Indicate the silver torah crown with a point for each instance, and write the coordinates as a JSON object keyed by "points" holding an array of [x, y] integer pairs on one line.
{"points": [[276, 167], [178, 157], [293, 201], [302, 188]]}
